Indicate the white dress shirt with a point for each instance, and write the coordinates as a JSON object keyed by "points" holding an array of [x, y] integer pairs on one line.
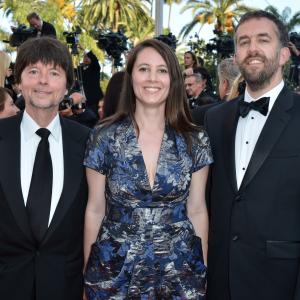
{"points": [[248, 131], [29, 144]]}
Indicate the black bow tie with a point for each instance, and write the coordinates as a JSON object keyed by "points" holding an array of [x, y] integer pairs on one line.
{"points": [[261, 105]]}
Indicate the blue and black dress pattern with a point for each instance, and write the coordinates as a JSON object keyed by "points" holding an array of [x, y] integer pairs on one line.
{"points": [[146, 248]]}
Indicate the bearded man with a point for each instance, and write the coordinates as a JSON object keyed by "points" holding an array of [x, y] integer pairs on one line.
{"points": [[254, 197]]}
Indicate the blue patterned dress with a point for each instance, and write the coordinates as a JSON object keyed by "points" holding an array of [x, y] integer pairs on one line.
{"points": [[146, 248]]}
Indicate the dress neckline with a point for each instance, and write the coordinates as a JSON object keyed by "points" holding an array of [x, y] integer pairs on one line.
{"points": [[140, 153]]}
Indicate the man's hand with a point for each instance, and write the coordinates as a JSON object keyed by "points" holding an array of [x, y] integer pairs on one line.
{"points": [[77, 98], [294, 49]]}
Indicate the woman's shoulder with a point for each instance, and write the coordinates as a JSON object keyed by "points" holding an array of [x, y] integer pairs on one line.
{"points": [[199, 136], [110, 129]]}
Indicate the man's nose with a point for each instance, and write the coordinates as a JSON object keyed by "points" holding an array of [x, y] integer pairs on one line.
{"points": [[253, 47], [43, 77]]}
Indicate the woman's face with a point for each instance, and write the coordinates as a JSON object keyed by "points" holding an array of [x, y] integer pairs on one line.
{"points": [[150, 78], [188, 60], [9, 108], [100, 109]]}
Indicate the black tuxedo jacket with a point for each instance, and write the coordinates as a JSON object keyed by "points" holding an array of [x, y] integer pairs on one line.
{"points": [[48, 29], [254, 239], [54, 267], [198, 112]]}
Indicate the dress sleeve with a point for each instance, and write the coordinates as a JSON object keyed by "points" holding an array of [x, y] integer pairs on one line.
{"points": [[96, 153], [201, 151]]}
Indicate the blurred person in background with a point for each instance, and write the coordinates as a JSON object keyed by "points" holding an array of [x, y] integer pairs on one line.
{"points": [[198, 88], [294, 75], [77, 111], [238, 87], [7, 106], [100, 109], [90, 76], [227, 73], [43, 28], [190, 60], [112, 94], [4, 66]]}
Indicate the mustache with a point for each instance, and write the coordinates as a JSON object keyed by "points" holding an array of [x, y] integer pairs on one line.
{"points": [[256, 56]]}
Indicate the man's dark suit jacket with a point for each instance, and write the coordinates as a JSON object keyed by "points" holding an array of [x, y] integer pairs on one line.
{"points": [[48, 29], [56, 263], [254, 239], [198, 113]]}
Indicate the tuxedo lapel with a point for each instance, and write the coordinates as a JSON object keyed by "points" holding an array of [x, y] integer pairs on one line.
{"points": [[73, 164], [275, 124], [10, 144], [229, 140]]}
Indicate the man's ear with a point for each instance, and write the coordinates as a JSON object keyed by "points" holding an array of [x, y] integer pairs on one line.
{"points": [[234, 58], [226, 85], [284, 55]]}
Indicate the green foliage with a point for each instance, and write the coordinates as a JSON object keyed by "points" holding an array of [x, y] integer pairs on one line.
{"points": [[291, 21], [221, 13]]}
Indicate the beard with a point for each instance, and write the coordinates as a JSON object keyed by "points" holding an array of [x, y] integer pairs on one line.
{"points": [[257, 80]]}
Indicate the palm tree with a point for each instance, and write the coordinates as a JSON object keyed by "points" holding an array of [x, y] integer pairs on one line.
{"points": [[55, 12], [61, 13], [222, 13], [170, 3], [285, 16], [110, 14], [138, 32]]}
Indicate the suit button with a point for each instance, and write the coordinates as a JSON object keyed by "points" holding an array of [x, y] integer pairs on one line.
{"points": [[238, 198], [37, 253], [235, 238]]}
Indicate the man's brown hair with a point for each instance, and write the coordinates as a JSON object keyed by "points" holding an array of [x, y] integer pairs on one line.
{"points": [[48, 51]]}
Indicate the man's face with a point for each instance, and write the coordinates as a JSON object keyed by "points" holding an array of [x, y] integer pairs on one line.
{"points": [[35, 23], [193, 88], [43, 86], [259, 54], [223, 88]]}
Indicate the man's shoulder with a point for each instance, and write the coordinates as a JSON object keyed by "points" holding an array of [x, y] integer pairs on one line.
{"points": [[198, 112], [10, 123], [47, 24], [223, 107], [76, 129]]}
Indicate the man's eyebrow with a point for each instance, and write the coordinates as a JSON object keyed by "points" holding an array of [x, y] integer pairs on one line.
{"points": [[245, 36], [264, 34]]}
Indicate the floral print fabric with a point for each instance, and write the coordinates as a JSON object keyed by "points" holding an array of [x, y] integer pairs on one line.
{"points": [[146, 247]]}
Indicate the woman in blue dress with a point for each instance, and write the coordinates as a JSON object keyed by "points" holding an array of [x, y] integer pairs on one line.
{"points": [[146, 220]]}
